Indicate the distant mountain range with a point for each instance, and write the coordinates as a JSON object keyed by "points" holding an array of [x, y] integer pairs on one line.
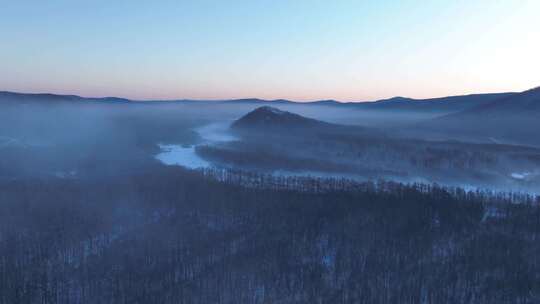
{"points": [[443, 105], [500, 117]]}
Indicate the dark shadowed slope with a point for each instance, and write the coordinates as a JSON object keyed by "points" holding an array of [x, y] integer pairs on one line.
{"points": [[513, 119], [268, 122], [527, 102], [269, 117]]}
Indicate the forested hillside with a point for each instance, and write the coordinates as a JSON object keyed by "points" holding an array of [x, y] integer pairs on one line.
{"points": [[175, 236]]}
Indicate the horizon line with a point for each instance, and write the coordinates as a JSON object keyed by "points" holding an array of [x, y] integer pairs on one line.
{"points": [[249, 98]]}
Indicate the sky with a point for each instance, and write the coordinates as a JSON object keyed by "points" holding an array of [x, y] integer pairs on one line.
{"points": [[300, 50]]}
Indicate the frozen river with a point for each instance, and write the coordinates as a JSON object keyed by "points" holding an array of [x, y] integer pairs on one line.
{"points": [[185, 155]]}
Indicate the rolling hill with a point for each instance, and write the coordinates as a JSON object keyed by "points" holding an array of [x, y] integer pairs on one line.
{"points": [[514, 119], [450, 104], [269, 121], [267, 117]]}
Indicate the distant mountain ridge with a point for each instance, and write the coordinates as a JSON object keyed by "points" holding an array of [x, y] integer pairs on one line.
{"points": [[443, 104], [528, 100], [6, 96], [512, 119], [439, 104]]}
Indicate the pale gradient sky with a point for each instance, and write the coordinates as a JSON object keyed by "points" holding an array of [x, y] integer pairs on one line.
{"points": [[299, 50]]}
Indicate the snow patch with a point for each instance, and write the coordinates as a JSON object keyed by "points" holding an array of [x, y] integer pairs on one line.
{"points": [[186, 156], [275, 110], [181, 156], [521, 176], [66, 174]]}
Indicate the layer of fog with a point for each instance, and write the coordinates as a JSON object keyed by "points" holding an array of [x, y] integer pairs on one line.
{"points": [[218, 133], [72, 140]]}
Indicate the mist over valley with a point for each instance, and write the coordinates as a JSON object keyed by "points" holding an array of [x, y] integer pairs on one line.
{"points": [[255, 201]]}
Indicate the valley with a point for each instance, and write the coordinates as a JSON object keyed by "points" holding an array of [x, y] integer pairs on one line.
{"points": [[151, 201]]}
